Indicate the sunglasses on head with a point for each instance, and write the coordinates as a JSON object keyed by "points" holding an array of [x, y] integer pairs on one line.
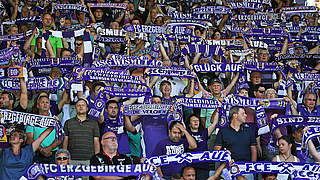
{"points": [[62, 158]]}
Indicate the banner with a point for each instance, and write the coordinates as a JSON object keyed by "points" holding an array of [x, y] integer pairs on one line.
{"points": [[306, 77], [218, 67], [30, 19], [109, 5], [263, 66], [177, 37], [145, 109], [32, 120], [127, 92], [310, 171], [144, 29], [245, 5], [199, 103], [54, 170], [53, 62], [33, 83], [177, 15], [194, 157], [15, 37], [204, 49], [76, 7], [171, 72], [117, 60], [273, 32], [282, 120], [179, 30], [111, 32], [229, 43], [252, 17], [101, 74], [285, 57], [212, 10]]}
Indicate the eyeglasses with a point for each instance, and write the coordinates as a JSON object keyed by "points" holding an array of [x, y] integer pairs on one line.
{"points": [[312, 100], [62, 158], [111, 138]]}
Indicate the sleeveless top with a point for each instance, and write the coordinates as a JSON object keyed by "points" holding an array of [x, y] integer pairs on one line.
{"points": [[284, 176]]}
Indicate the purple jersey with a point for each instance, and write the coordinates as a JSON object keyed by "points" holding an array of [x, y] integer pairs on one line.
{"points": [[155, 129], [117, 127], [167, 147], [201, 139], [303, 110]]}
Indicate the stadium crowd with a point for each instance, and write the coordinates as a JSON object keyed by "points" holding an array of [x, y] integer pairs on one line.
{"points": [[133, 79]]}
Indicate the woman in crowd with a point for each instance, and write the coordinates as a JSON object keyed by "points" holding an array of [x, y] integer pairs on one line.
{"points": [[287, 153]]}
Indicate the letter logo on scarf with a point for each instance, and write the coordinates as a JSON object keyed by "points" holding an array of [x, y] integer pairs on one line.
{"points": [[266, 103], [260, 66], [184, 158], [223, 121], [2, 134], [286, 168], [34, 171], [234, 169], [99, 103]]}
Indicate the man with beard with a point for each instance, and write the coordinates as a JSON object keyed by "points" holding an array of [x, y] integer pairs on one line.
{"points": [[82, 135], [174, 144], [110, 120]]}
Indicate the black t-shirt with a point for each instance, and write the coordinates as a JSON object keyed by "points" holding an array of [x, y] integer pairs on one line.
{"points": [[103, 159]]}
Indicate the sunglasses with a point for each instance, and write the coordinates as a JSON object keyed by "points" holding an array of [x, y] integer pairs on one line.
{"points": [[312, 100], [78, 44], [62, 158], [111, 138], [261, 91]]}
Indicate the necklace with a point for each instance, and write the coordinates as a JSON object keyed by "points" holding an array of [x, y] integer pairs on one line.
{"points": [[285, 159]]}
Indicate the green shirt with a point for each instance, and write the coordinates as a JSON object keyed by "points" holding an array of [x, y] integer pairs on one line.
{"points": [[36, 133], [55, 43]]}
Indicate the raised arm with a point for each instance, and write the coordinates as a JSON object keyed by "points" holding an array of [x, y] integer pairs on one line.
{"points": [[128, 125], [26, 47], [233, 82], [191, 141], [214, 121], [24, 94], [50, 49], [38, 141], [64, 99]]}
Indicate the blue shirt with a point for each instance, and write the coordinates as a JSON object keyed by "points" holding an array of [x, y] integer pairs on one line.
{"points": [[237, 142], [303, 110], [14, 166]]}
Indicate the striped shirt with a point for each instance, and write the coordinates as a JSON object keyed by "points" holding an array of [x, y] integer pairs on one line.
{"points": [[81, 137]]}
